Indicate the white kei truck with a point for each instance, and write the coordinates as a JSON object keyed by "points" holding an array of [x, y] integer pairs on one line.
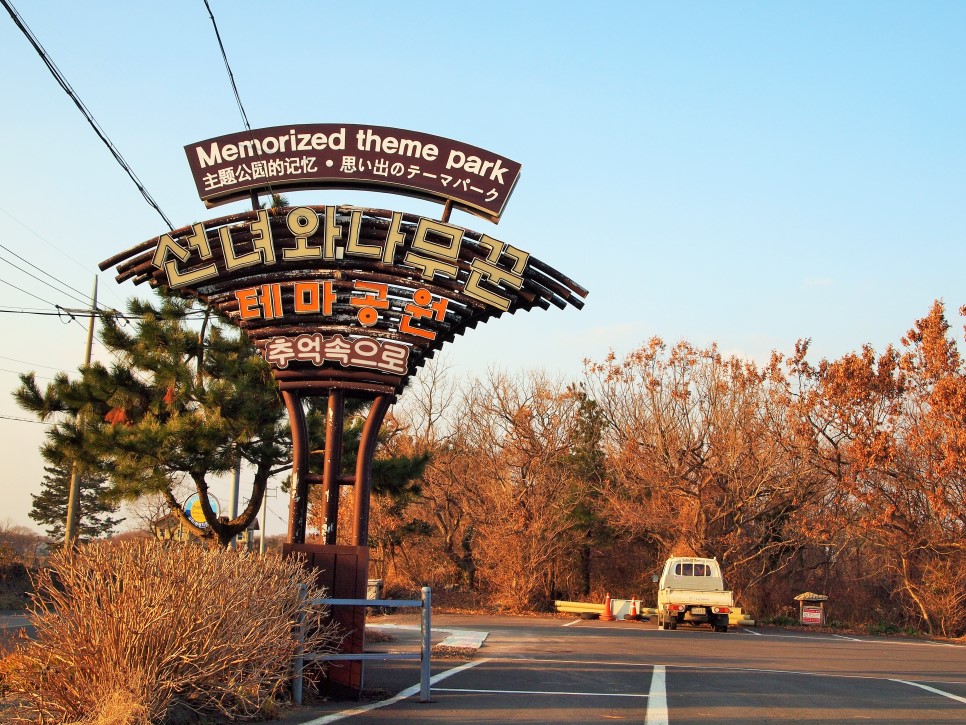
{"points": [[692, 590]]}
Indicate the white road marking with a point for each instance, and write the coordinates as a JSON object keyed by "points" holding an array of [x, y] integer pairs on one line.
{"points": [[408, 692], [542, 692], [829, 637], [751, 631], [710, 668], [464, 639], [950, 695], [460, 638], [571, 624], [657, 702]]}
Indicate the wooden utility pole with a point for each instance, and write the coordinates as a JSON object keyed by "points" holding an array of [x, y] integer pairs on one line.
{"points": [[73, 502]]}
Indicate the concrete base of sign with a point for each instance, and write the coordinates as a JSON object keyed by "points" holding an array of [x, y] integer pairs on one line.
{"points": [[343, 571]]}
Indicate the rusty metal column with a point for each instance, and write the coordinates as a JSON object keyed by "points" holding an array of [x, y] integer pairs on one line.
{"points": [[363, 487], [299, 503], [334, 421]]}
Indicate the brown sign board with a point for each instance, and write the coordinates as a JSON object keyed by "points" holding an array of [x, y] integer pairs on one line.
{"points": [[345, 296], [348, 156]]}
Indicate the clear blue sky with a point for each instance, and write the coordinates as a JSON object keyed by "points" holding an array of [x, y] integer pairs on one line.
{"points": [[749, 173]]}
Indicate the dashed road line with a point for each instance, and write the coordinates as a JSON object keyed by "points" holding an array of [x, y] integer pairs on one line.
{"points": [[541, 692], [657, 703]]}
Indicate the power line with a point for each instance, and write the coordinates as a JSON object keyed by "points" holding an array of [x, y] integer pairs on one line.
{"points": [[44, 282], [238, 100], [24, 420], [23, 311], [46, 241], [24, 362], [29, 294], [231, 76], [21, 372], [101, 134], [55, 248], [42, 271]]}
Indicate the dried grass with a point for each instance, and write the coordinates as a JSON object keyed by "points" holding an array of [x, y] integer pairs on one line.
{"points": [[129, 634]]}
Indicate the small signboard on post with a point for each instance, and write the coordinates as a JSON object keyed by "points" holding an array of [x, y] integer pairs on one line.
{"points": [[811, 608], [811, 614]]}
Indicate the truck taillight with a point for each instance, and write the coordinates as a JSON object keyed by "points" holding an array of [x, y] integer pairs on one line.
{"points": [[721, 610], [675, 607]]}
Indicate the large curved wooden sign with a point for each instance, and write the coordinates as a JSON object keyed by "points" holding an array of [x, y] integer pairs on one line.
{"points": [[346, 297]]}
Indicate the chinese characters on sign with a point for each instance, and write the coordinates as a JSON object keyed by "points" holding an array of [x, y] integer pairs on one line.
{"points": [[313, 156]]}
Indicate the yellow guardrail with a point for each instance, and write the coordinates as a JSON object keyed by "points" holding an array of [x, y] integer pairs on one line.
{"points": [[578, 607], [737, 615]]}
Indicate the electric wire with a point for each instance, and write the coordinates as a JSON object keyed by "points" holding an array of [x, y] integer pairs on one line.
{"points": [[27, 311], [231, 76], [42, 271], [24, 362], [22, 372], [46, 241], [234, 87], [82, 299], [29, 294], [101, 134], [43, 282], [24, 420], [59, 251]]}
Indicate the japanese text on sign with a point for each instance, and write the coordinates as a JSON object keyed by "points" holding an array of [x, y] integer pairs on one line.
{"points": [[312, 156]]}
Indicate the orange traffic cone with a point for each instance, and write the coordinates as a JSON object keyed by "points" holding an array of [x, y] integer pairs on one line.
{"points": [[633, 615], [608, 615]]}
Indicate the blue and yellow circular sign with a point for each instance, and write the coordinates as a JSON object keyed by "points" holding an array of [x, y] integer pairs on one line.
{"points": [[192, 507]]}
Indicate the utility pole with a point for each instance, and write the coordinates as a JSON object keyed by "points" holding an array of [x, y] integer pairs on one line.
{"points": [[73, 501], [233, 507], [261, 539]]}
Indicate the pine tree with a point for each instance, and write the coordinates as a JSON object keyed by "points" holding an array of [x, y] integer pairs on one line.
{"points": [[50, 505], [187, 397]]}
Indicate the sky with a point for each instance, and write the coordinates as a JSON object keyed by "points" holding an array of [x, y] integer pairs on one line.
{"points": [[741, 173]]}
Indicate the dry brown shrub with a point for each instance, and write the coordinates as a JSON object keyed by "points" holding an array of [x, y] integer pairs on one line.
{"points": [[119, 708], [132, 633]]}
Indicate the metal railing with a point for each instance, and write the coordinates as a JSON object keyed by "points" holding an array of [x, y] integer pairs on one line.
{"points": [[424, 654]]}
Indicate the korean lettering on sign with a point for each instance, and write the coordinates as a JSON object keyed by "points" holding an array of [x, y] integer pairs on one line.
{"points": [[382, 355], [435, 252]]}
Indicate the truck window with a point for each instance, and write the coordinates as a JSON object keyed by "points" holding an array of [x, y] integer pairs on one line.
{"points": [[688, 569], [699, 570]]}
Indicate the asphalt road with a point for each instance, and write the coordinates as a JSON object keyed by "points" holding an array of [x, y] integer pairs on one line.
{"points": [[534, 670], [549, 670]]}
